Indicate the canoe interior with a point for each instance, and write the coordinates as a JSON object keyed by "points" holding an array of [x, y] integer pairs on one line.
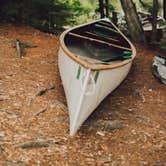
{"points": [[113, 48]]}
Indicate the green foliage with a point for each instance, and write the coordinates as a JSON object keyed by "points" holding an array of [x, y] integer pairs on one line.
{"points": [[41, 13], [148, 5]]}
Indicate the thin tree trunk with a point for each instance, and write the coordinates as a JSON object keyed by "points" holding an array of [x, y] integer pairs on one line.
{"points": [[134, 25], [101, 8], [154, 21], [107, 8], [164, 8], [114, 17]]}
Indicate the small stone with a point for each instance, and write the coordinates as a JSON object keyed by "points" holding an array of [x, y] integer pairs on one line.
{"points": [[113, 125], [130, 110], [150, 90], [2, 133]]}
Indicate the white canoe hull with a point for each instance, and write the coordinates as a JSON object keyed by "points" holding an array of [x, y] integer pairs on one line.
{"points": [[85, 85], [107, 81]]}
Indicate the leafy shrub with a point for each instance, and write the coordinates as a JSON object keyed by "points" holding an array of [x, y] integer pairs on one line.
{"points": [[42, 14]]}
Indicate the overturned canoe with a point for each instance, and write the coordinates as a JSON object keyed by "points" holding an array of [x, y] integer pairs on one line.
{"points": [[146, 20], [94, 59]]}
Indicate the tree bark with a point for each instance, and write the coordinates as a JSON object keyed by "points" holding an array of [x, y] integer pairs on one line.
{"points": [[134, 25], [107, 8], [164, 8], [101, 8], [114, 17], [154, 20]]}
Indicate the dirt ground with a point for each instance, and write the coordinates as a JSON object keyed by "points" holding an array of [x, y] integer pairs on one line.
{"points": [[34, 123]]}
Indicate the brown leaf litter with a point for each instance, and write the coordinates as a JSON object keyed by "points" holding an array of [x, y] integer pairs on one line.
{"points": [[139, 104]]}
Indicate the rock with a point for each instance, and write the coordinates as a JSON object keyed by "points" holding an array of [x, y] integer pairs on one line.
{"points": [[159, 68], [113, 125]]}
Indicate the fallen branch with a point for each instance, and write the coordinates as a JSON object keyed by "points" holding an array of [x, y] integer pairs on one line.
{"points": [[37, 144], [21, 45], [25, 44], [19, 49], [42, 92], [33, 144]]}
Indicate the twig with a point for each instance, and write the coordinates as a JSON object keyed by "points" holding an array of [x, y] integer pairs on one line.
{"points": [[42, 92], [18, 48], [60, 105], [39, 112], [7, 112]]}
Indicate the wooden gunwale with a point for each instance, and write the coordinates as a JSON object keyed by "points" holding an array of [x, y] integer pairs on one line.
{"points": [[107, 25], [99, 41], [91, 66]]}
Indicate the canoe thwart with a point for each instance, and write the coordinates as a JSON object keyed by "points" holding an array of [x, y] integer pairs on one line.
{"points": [[99, 41]]}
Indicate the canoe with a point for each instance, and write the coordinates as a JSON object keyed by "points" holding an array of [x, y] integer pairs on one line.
{"points": [[94, 58], [146, 20]]}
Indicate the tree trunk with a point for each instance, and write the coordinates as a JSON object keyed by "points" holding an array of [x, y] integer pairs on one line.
{"points": [[101, 8], [154, 20], [107, 8], [164, 8], [114, 17], [134, 25]]}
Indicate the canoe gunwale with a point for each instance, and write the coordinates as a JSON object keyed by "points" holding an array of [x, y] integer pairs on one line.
{"points": [[93, 66]]}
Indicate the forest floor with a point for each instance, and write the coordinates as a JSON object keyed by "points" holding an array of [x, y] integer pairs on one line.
{"points": [[34, 121]]}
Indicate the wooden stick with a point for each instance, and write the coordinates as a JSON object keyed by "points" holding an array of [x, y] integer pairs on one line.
{"points": [[100, 41], [108, 38], [108, 25], [108, 28]]}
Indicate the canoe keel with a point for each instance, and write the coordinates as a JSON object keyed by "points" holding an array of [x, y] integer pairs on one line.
{"points": [[85, 89]]}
